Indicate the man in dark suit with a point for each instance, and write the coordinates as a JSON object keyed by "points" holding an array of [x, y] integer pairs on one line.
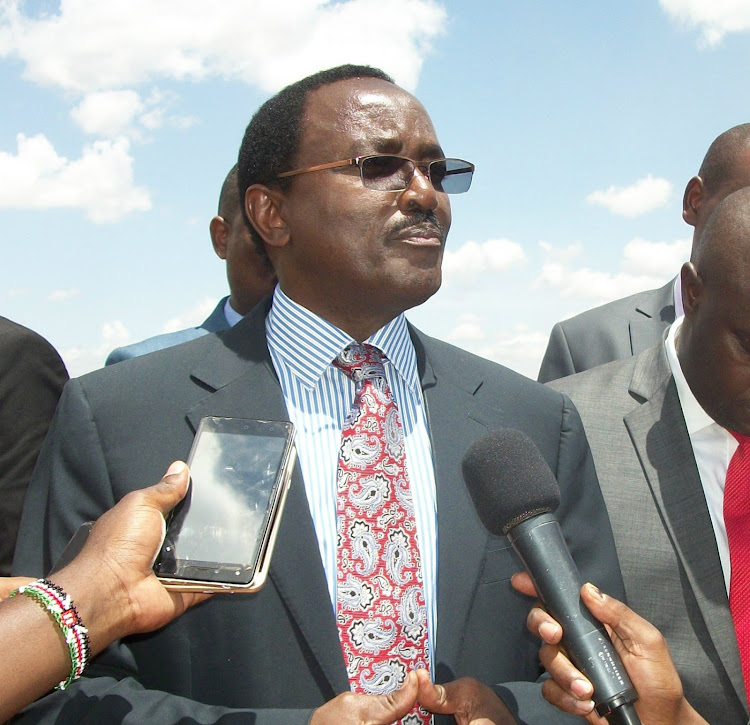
{"points": [[32, 376], [356, 236], [631, 325], [660, 428], [249, 275]]}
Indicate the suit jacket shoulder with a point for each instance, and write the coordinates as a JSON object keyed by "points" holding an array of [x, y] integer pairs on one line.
{"points": [[32, 376], [215, 322], [613, 331]]}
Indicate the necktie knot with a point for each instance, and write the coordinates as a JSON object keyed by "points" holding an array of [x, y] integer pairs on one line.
{"points": [[360, 362]]}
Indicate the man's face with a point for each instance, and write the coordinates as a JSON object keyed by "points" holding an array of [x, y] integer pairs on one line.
{"points": [[356, 256], [715, 355]]}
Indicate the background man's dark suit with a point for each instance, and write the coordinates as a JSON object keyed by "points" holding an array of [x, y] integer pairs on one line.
{"points": [[663, 532], [613, 331], [117, 429], [32, 376]]}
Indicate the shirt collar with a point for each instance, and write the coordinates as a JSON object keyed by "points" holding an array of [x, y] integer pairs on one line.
{"points": [[696, 418], [308, 344]]}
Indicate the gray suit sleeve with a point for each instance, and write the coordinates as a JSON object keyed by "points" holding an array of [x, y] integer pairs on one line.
{"points": [[557, 361]]}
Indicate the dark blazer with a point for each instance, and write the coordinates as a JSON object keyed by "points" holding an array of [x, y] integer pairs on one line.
{"points": [[215, 322], [32, 376], [670, 563], [613, 331], [275, 656]]}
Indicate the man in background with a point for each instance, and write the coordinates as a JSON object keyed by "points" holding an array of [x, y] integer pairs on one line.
{"points": [[249, 274], [664, 428], [630, 325], [32, 377]]}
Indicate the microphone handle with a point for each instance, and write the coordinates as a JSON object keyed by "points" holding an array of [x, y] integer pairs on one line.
{"points": [[540, 544], [623, 715]]}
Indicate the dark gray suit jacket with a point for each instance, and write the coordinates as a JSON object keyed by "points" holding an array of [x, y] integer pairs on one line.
{"points": [[632, 416], [274, 656], [215, 322], [32, 376], [613, 331]]}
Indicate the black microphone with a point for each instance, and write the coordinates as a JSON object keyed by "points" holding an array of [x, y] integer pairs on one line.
{"points": [[515, 494]]}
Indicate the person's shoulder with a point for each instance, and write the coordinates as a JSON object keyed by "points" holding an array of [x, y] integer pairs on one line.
{"points": [[152, 344], [20, 342], [622, 308], [608, 374]]}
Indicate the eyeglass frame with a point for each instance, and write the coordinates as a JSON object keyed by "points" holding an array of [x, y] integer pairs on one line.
{"points": [[359, 160]]}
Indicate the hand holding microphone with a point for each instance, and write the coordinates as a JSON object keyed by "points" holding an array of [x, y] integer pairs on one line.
{"points": [[515, 494]]}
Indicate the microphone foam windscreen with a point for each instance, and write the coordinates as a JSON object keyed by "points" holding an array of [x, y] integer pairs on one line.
{"points": [[508, 480]]}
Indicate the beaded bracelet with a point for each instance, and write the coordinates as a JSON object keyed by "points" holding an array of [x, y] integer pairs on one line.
{"points": [[52, 598]]}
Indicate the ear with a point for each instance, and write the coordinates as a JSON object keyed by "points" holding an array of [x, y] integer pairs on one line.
{"points": [[263, 207], [692, 289], [219, 230], [692, 199]]}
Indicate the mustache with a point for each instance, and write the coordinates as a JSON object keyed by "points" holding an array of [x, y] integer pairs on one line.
{"points": [[422, 220]]}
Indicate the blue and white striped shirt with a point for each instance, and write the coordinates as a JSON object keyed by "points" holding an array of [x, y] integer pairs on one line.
{"points": [[319, 396]]}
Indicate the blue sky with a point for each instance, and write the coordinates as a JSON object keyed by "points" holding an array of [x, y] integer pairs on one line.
{"points": [[585, 121]]}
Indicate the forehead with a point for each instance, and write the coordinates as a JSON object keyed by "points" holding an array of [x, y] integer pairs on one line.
{"points": [[365, 115]]}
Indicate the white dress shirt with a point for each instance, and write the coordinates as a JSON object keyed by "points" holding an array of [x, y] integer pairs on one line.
{"points": [[713, 448], [318, 398]]}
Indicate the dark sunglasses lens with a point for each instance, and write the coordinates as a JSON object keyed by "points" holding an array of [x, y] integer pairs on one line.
{"points": [[386, 173], [452, 176]]}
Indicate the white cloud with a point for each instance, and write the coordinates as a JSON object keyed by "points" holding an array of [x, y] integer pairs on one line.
{"points": [[107, 113], [657, 259], [644, 265], [714, 18], [100, 182], [472, 259], [519, 348], [643, 196], [61, 295], [192, 317], [92, 46]]}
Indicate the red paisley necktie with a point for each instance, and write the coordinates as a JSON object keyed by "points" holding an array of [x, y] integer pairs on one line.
{"points": [[380, 608], [737, 521]]}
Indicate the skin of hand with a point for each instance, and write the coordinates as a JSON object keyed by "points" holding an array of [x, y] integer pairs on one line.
{"points": [[467, 699], [112, 585], [9, 584], [123, 595], [470, 701], [642, 649]]}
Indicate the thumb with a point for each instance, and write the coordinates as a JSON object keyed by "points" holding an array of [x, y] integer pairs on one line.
{"points": [[172, 488], [394, 706]]}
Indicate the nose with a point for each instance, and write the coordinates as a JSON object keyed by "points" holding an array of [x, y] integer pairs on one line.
{"points": [[419, 194]]}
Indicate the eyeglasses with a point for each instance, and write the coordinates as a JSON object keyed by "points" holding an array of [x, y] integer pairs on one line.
{"points": [[383, 172]]}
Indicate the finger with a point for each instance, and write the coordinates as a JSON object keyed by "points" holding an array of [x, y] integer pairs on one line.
{"points": [[522, 582], [557, 696], [564, 674], [540, 623], [166, 494], [624, 621]]}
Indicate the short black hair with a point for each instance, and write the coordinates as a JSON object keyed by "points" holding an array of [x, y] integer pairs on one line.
{"points": [[272, 137], [720, 162], [229, 200]]}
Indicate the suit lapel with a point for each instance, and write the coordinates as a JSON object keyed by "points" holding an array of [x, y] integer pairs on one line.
{"points": [[651, 319], [244, 384], [659, 434], [454, 420]]}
